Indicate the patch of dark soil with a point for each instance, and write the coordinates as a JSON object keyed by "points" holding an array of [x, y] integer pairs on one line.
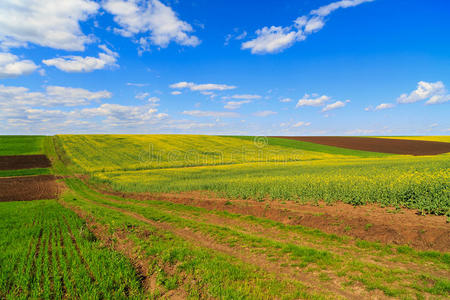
{"points": [[409, 147], [28, 188], [18, 162]]}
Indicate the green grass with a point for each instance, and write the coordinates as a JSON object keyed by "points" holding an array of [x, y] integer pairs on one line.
{"points": [[25, 172], [21, 145], [330, 255], [208, 272], [47, 252], [306, 146]]}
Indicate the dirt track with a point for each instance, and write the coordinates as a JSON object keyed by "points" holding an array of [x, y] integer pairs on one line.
{"points": [[410, 147], [18, 162], [367, 222], [28, 188]]}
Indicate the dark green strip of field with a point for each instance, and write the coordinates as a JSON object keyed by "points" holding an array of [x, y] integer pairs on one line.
{"points": [[306, 146], [25, 172], [21, 145]]}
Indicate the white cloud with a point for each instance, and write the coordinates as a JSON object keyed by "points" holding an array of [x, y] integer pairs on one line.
{"points": [[84, 64], [157, 23], [316, 101], [153, 101], [236, 36], [176, 93], [277, 38], [201, 87], [327, 9], [12, 96], [214, 114], [142, 96], [11, 66], [384, 106], [137, 84], [49, 23], [435, 92], [212, 95], [264, 113], [123, 115], [286, 100], [244, 96], [235, 104], [272, 40], [300, 124], [337, 104]]}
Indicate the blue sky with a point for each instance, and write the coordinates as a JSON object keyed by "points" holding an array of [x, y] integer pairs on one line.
{"points": [[351, 67]]}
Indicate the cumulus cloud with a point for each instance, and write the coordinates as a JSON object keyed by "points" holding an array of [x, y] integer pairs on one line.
{"points": [[50, 23], [286, 100], [12, 66], [337, 104], [273, 39], [317, 100], [277, 38], [123, 115], [11, 96], [264, 113], [201, 87], [84, 64], [433, 92], [29, 110], [176, 93], [314, 100], [235, 104], [154, 22], [214, 114]]}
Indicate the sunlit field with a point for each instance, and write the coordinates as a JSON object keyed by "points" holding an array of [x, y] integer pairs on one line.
{"points": [[274, 169], [199, 217]]}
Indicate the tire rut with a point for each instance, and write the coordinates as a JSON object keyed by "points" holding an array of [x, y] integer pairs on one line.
{"points": [[120, 242], [242, 253]]}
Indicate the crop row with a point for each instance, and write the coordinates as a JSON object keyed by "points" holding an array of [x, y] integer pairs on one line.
{"points": [[47, 252]]}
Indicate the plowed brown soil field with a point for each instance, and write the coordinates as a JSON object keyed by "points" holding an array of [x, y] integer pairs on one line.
{"points": [[409, 147], [28, 188], [18, 162]]}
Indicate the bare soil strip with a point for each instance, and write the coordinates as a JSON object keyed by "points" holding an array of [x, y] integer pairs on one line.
{"points": [[368, 222], [17, 162], [28, 188], [409, 147]]}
